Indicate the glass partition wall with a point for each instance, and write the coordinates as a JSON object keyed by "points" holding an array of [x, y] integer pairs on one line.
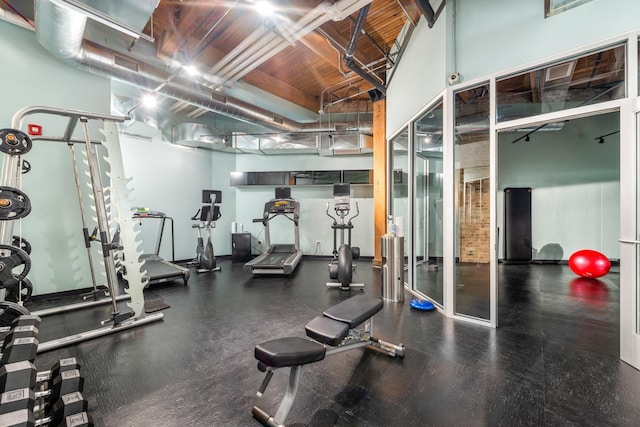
{"points": [[472, 199], [444, 164], [399, 209], [428, 237]]}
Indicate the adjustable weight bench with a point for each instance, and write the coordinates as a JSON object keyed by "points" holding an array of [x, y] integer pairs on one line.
{"points": [[336, 328]]}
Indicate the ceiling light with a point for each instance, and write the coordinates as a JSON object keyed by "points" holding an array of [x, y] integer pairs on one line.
{"points": [[264, 8], [149, 100], [191, 70]]}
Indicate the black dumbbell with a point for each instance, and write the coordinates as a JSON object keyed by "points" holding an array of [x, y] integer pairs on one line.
{"points": [[61, 365], [67, 405], [20, 322], [21, 418], [15, 376], [82, 419], [16, 400], [25, 418], [18, 375], [19, 349], [65, 383]]}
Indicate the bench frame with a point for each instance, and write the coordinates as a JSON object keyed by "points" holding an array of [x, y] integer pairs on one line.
{"points": [[356, 338]]}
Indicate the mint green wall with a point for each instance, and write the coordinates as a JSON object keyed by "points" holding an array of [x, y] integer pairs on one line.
{"points": [[314, 223], [31, 76], [170, 179], [575, 181], [494, 35], [419, 76]]}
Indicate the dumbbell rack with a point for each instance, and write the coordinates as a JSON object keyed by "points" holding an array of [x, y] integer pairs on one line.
{"points": [[32, 398], [11, 178]]}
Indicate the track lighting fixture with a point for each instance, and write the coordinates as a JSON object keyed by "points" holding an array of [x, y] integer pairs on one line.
{"points": [[601, 138]]}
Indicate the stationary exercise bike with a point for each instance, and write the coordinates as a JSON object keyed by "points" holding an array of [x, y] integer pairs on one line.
{"points": [[341, 266], [207, 216]]}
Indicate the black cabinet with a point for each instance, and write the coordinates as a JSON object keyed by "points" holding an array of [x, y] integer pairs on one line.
{"points": [[240, 247], [517, 224]]}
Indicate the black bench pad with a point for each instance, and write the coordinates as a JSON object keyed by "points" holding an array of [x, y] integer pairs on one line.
{"points": [[328, 331], [354, 310], [289, 351]]}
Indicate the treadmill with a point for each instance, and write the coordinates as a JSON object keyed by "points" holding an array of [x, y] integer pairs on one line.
{"points": [[158, 269], [278, 258]]}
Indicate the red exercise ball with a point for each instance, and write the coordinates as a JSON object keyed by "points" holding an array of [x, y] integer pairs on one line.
{"points": [[589, 263]]}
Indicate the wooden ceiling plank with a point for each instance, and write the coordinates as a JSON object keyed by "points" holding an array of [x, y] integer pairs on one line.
{"points": [[281, 89]]}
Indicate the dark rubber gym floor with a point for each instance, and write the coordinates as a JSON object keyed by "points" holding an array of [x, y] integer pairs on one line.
{"points": [[554, 360]]}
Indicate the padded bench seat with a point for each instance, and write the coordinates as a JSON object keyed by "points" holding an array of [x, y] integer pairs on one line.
{"points": [[328, 331], [354, 310], [289, 351]]}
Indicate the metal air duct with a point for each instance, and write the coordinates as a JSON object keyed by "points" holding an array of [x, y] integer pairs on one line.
{"points": [[60, 28]]}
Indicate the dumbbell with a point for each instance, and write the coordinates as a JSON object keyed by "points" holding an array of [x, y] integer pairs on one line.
{"points": [[15, 376], [25, 399], [20, 341], [24, 418], [21, 322], [65, 405]]}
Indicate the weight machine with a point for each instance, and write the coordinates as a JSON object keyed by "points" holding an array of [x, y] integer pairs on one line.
{"points": [[16, 143], [341, 266]]}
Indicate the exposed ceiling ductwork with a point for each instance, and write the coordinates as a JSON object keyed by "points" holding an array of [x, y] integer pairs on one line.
{"points": [[60, 28]]}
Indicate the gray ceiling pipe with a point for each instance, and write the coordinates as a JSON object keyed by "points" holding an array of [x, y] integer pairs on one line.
{"points": [[60, 30], [427, 11], [351, 48]]}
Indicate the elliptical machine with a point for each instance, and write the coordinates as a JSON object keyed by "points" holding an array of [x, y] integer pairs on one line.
{"points": [[341, 266], [209, 213]]}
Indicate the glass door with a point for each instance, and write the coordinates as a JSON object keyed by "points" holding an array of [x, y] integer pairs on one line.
{"points": [[473, 254], [428, 228], [630, 239]]}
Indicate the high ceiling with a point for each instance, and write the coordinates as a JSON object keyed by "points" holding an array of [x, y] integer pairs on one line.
{"points": [[290, 67]]}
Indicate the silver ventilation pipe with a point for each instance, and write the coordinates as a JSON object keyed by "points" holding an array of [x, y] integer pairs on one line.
{"points": [[60, 30]]}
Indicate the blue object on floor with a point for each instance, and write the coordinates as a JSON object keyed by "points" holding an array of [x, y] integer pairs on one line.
{"points": [[422, 304]]}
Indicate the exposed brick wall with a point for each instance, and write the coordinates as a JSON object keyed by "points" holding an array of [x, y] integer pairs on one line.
{"points": [[473, 213]]}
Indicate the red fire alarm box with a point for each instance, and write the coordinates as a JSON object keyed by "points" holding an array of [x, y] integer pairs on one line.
{"points": [[34, 130]]}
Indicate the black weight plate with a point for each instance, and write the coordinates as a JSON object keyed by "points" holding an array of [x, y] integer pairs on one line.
{"points": [[27, 289], [26, 166], [9, 311], [17, 258], [14, 142], [21, 243], [14, 204]]}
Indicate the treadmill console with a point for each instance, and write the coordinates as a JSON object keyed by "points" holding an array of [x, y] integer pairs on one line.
{"points": [[280, 206], [342, 196]]}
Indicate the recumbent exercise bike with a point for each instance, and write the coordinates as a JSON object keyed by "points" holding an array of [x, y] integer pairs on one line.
{"points": [[341, 266]]}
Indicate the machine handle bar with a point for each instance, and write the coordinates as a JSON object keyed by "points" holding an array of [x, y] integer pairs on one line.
{"points": [[357, 213], [335, 220]]}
